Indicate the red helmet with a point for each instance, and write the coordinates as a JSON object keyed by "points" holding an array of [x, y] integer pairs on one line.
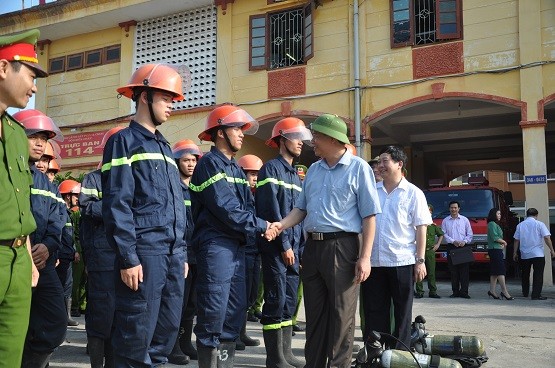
{"points": [[250, 163], [164, 77], [186, 146], [351, 149], [108, 134], [35, 121], [229, 116], [289, 128], [69, 186], [53, 166]]}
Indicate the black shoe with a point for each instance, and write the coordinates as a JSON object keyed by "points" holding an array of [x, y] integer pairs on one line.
{"points": [[252, 318], [539, 298], [258, 314], [454, 295], [435, 296], [465, 296], [298, 328], [506, 297], [493, 295], [239, 345], [418, 296]]}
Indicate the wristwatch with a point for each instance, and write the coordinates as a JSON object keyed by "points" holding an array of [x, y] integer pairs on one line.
{"points": [[420, 260]]}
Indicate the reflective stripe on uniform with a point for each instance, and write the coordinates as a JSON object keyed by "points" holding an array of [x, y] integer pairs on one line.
{"points": [[68, 224], [286, 323], [91, 192], [45, 193], [279, 182], [216, 178], [273, 326], [187, 203], [137, 157]]}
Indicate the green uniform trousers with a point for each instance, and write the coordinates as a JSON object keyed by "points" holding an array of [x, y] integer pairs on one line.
{"points": [[430, 258], [15, 303]]}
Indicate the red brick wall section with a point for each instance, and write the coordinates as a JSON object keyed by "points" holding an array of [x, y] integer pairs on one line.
{"points": [[441, 59], [286, 82]]}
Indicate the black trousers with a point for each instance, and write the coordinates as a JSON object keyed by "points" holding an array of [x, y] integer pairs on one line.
{"points": [[384, 286], [460, 274], [537, 280]]}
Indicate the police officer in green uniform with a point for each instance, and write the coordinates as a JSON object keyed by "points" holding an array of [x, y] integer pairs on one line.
{"points": [[18, 69]]}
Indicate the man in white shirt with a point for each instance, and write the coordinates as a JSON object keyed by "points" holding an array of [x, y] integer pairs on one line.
{"points": [[458, 233], [398, 253], [530, 236]]}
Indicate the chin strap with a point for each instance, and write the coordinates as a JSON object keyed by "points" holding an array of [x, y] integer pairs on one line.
{"points": [[233, 149], [150, 100]]}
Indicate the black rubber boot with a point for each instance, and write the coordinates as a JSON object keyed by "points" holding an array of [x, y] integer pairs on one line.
{"points": [[96, 351], [273, 339], [239, 345], [176, 356], [207, 357], [286, 344], [248, 341], [70, 321], [226, 354], [185, 342], [34, 360]]}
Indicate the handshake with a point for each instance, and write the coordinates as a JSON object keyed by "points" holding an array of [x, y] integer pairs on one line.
{"points": [[273, 230]]}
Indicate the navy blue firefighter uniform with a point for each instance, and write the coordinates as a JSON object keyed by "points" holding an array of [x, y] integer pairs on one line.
{"points": [[223, 211], [277, 190], [144, 217], [100, 261], [48, 321]]}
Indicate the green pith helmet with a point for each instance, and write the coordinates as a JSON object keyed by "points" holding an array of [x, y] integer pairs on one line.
{"points": [[331, 125]]}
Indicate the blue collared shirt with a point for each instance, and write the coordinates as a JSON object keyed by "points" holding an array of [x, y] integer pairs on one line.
{"points": [[338, 198]]}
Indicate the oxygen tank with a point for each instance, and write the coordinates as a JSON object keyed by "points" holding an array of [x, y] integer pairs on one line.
{"points": [[470, 346], [403, 359]]}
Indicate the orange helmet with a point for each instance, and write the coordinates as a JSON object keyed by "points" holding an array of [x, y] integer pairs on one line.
{"points": [[229, 116], [289, 128], [164, 77], [186, 146], [351, 149], [35, 121], [108, 134], [53, 166], [52, 150], [250, 163], [69, 186]]}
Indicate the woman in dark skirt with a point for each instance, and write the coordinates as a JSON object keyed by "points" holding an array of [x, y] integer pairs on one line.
{"points": [[496, 245]]}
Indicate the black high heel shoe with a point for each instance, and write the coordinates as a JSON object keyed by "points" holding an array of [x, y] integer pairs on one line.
{"points": [[505, 296], [493, 295]]}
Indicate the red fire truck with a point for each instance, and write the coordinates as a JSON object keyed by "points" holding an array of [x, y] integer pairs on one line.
{"points": [[476, 199]]}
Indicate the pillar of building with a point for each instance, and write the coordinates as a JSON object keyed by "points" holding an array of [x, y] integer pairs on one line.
{"points": [[533, 125]]}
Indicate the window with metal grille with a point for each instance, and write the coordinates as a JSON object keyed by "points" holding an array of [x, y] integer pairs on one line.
{"points": [[422, 22], [281, 39], [187, 38]]}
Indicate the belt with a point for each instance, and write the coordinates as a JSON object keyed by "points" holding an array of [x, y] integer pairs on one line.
{"points": [[14, 243], [329, 236]]}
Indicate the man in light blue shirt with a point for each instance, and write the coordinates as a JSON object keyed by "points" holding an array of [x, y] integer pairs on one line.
{"points": [[338, 202]]}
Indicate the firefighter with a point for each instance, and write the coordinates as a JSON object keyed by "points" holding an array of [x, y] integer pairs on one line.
{"points": [[251, 165], [223, 211], [186, 154], [67, 254], [100, 259], [53, 169], [144, 217], [278, 187], [48, 318], [47, 157]]}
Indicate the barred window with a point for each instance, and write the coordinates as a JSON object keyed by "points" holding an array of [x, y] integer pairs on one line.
{"points": [[422, 22], [281, 39]]}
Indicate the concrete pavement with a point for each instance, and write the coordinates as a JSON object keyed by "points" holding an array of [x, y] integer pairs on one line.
{"points": [[518, 333]]}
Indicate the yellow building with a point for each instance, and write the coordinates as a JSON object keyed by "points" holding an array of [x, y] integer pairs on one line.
{"points": [[463, 85]]}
